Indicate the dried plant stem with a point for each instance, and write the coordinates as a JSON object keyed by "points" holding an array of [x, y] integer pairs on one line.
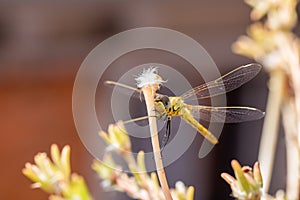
{"points": [[292, 151], [268, 141], [149, 98], [291, 119], [291, 123], [295, 80]]}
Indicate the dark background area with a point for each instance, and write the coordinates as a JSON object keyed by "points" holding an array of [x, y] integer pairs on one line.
{"points": [[42, 45]]}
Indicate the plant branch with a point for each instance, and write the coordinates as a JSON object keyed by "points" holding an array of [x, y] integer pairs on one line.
{"points": [[149, 92], [292, 151], [268, 141]]}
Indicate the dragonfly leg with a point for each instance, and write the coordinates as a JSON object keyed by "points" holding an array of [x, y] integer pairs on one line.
{"points": [[162, 116], [167, 134]]}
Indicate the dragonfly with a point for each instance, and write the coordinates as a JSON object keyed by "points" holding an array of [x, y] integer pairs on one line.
{"points": [[167, 107]]}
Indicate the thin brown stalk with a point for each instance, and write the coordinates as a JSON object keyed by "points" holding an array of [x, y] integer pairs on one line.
{"points": [[268, 141], [295, 80], [292, 150], [291, 115], [149, 93]]}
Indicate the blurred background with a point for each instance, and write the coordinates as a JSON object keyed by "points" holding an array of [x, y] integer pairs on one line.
{"points": [[42, 45]]}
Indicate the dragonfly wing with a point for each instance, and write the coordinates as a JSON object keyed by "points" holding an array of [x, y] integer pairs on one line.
{"points": [[229, 114], [226, 83]]}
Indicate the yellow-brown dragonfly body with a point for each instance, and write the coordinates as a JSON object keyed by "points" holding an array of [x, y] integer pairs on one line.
{"points": [[169, 107], [176, 107]]}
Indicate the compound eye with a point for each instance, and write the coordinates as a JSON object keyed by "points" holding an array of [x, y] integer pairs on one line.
{"points": [[167, 103], [165, 100]]}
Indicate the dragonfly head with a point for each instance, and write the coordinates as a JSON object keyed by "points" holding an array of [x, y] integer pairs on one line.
{"points": [[162, 103], [163, 99]]}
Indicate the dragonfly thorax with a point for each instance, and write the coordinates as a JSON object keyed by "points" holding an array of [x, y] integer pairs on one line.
{"points": [[176, 105], [170, 106]]}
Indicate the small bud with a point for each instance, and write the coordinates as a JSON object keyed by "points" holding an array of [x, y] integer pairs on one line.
{"points": [[257, 174], [48, 175], [141, 161], [247, 183], [106, 169], [117, 138]]}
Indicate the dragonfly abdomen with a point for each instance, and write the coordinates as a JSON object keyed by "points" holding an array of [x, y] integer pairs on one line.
{"points": [[200, 128]]}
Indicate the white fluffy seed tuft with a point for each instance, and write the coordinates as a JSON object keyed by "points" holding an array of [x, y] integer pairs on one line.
{"points": [[149, 77]]}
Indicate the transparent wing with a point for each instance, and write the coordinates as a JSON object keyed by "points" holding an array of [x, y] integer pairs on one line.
{"points": [[226, 83], [229, 114]]}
